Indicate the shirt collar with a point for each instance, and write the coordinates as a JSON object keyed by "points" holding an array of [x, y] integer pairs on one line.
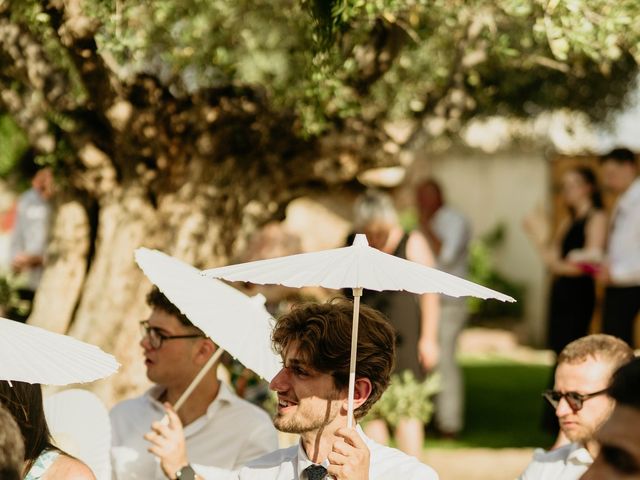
{"points": [[303, 460], [579, 455], [224, 397]]}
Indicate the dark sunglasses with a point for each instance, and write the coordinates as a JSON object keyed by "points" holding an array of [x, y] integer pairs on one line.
{"points": [[574, 399], [156, 337]]}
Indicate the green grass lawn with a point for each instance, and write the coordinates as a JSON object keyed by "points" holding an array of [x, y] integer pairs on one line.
{"points": [[503, 405]]}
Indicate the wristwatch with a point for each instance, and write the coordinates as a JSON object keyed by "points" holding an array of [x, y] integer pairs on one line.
{"points": [[186, 473]]}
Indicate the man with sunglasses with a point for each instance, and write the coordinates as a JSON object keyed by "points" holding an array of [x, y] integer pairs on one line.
{"points": [[581, 403], [218, 430]]}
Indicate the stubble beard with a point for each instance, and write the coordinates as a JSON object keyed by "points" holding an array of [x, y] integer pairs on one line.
{"points": [[301, 422]]}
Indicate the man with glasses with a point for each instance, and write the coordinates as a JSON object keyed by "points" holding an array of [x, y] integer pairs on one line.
{"points": [[220, 430], [579, 398]]}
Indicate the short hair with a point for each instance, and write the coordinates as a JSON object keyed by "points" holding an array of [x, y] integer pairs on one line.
{"points": [[323, 333], [625, 385], [11, 447], [619, 155], [374, 205], [599, 347], [157, 299]]}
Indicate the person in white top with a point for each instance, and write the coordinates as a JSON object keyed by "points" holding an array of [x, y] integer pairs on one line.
{"points": [[221, 431], [619, 437], [584, 371], [621, 272], [314, 341], [449, 233]]}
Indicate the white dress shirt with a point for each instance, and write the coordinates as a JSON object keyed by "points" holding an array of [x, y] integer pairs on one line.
{"points": [[230, 434], [623, 248], [385, 464], [565, 463]]}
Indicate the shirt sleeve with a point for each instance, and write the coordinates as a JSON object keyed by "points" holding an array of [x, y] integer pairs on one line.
{"points": [[454, 236]]}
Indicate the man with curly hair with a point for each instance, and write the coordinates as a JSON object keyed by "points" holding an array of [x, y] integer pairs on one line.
{"points": [[314, 341]]}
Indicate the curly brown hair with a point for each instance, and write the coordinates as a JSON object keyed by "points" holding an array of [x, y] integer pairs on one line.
{"points": [[323, 335]]}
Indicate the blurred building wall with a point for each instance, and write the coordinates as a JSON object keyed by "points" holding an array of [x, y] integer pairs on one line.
{"points": [[494, 188]]}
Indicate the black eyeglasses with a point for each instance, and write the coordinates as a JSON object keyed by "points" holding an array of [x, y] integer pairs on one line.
{"points": [[156, 337], [574, 399]]}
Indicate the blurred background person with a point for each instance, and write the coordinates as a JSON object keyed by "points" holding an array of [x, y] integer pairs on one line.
{"points": [[414, 317], [619, 437], [42, 459], [11, 447], [448, 232], [30, 239], [621, 272], [572, 256]]}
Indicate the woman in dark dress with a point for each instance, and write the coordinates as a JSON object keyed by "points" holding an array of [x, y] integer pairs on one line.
{"points": [[573, 257]]}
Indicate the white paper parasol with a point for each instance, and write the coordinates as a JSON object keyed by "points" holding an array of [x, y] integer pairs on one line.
{"points": [[35, 355], [358, 266], [235, 322], [79, 424]]}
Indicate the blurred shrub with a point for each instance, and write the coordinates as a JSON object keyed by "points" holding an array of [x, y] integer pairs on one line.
{"points": [[483, 271]]}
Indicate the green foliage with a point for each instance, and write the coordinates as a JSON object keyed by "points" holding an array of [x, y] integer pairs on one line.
{"points": [[327, 60], [482, 271], [406, 397], [13, 144]]}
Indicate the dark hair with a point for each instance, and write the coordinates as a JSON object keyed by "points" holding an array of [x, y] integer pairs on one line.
{"points": [[619, 155], [589, 177], [435, 185], [11, 447], [598, 346], [24, 402], [323, 333], [157, 299], [625, 386]]}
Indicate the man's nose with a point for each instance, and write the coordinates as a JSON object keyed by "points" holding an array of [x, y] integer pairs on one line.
{"points": [[279, 383], [145, 343], [563, 408]]}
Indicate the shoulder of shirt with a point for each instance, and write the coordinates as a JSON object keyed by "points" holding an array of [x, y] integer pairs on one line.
{"points": [[558, 454], [391, 460], [274, 458], [126, 406]]}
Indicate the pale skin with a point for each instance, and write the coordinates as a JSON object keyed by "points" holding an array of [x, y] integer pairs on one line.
{"points": [[68, 468], [173, 366], [311, 405], [589, 376]]}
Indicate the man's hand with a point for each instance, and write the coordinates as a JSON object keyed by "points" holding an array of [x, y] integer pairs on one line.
{"points": [[428, 353], [349, 459], [168, 443]]}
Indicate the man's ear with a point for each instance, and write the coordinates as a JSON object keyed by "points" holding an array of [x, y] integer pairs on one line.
{"points": [[361, 393], [206, 348]]}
